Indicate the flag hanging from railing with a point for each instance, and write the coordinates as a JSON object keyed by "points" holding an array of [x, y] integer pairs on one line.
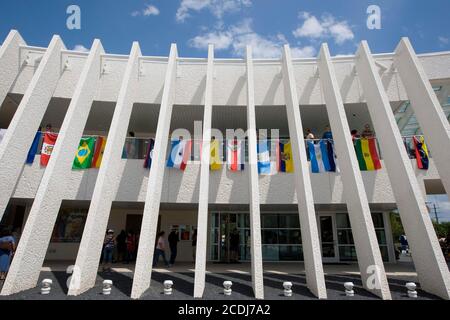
{"points": [[367, 154], [235, 155], [85, 153], [100, 145], [421, 151], [215, 162], [266, 165], [286, 163], [47, 147], [179, 154], [149, 154], [322, 156], [34, 148]]}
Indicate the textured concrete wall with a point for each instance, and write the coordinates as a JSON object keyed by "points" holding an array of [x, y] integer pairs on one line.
{"points": [[229, 78]]}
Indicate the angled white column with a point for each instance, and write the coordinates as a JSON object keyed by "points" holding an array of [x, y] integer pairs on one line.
{"points": [[143, 270], [108, 180], [366, 244], [427, 108], [30, 254], [9, 62], [254, 205], [315, 279], [18, 139], [203, 201], [429, 261]]}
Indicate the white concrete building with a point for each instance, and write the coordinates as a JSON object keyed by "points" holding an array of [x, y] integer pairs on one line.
{"points": [[343, 216]]}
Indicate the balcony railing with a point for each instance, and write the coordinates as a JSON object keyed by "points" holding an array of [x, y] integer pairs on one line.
{"points": [[136, 147]]}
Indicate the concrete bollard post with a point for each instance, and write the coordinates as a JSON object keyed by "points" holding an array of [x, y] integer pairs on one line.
{"points": [[46, 286]]}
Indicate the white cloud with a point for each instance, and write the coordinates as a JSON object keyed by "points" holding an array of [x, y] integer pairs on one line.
{"points": [[80, 47], [443, 40], [237, 37], [217, 7], [148, 10], [325, 27]]}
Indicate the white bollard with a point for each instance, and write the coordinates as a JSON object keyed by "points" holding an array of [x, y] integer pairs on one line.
{"points": [[349, 289], [46, 286], [287, 289], [227, 288], [168, 287], [107, 287], [411, 286]]}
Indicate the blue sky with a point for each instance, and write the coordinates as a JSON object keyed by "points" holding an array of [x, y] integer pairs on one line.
{"points": [[231, 24]]}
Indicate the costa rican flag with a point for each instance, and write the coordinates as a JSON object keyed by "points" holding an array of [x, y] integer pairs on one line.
{"points": [[235, 155], [179, 154]]}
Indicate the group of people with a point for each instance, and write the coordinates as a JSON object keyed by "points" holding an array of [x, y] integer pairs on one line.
{"points": [[8, 244], [122, 248], [327, 134], [173, 239]]}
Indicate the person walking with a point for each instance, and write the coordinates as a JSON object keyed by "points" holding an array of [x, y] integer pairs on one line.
{"points": [[160, 250], [108, 248], [173, 243], [7, 248], [194, 243]]}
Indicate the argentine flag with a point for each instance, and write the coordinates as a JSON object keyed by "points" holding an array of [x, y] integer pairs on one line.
{"points": [[265, 166], [179, 154], [322, 156]]}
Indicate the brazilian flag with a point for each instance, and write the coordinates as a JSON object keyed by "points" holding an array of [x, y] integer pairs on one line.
{"points": [[85, 153]]}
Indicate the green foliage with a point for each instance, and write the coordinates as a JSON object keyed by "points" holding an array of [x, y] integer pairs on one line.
{"points": [[396, 226], [442, 229]]}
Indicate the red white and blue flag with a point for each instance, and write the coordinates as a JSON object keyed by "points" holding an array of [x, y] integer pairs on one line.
{"points": [[235, 155], [179, 154]]}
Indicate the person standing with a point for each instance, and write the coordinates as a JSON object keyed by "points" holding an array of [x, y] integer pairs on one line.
{"points": [[234, 246], [404, 243], [355, 135], [160, 250], [194, 243], [108, 248], [327, 135], [173, 243], [130, 247], [309, 134], [7, 248], [367, 132], [121, 246]]}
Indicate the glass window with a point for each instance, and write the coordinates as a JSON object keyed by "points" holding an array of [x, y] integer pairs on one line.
{"points": [[270, 237], [345, 237], [378, 220], [270, 221], [270, 253], [290, 221], [384, 253], [290, 253], [381, 236], [342, 220], [287, 236], [347, 253], [244, 221]]}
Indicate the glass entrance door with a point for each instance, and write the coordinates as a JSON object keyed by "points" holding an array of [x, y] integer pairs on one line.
{"points": [[327, 232], [228, 227]]}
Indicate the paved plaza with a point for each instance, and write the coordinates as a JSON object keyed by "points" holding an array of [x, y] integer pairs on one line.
{"points": [[182, 276]]}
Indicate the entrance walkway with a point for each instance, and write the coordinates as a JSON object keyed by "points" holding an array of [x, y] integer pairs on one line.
{"points": [[182, 276]]}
